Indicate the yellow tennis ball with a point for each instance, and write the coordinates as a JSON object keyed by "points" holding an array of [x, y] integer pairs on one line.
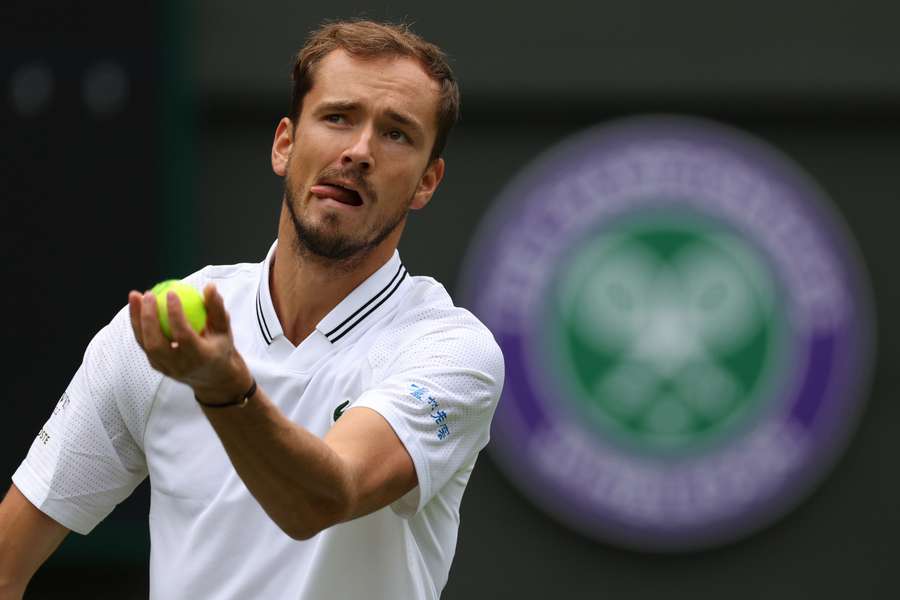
{"points": [[191, 303]]}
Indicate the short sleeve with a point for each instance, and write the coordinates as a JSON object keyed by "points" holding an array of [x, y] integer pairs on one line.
{"points": [[439, 393], [89, 455]]}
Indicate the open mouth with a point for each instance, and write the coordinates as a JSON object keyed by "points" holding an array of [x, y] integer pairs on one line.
{"points": [[338, 193]]}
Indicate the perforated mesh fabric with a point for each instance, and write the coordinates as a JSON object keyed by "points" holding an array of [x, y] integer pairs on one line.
{"points": [[89, 455], [439, 374]]}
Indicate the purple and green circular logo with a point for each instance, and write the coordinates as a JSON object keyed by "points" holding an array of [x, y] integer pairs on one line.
{"points": [[687, 329]]}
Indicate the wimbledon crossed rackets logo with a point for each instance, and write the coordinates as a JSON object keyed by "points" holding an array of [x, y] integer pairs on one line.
{"points": [[666, 332], [687, 330]]}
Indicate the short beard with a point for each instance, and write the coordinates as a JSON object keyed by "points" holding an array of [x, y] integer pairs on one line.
{"points": [[332, 248]]}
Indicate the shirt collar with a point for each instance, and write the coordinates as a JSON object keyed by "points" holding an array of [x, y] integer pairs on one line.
{"points": [[356, 309], [269, 325], [354, 312]]}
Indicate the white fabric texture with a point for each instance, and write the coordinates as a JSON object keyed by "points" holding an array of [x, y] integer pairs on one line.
{"points": [[89, 456], [436, 387], [396, 345]]}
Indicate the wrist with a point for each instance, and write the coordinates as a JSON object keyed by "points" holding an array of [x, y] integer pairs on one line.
{"points": [[232, 390], [239, 401]]}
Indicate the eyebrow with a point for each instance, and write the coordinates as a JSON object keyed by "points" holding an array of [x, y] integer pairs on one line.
{"points": [[404, 120], [337, 106], [348, 106]]}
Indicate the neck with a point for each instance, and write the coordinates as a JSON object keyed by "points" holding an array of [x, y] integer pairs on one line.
{"points": [[305, 289]]}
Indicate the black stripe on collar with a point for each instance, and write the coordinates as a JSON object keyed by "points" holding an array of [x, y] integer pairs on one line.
{"points": [[261, 319], [370, 301], [380, 297]]}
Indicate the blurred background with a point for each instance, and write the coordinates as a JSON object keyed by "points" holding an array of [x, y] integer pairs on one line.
{"points": [[136, 141]]}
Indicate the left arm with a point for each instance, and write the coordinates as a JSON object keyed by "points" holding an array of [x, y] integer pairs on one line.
{"points": [[304, 483]]}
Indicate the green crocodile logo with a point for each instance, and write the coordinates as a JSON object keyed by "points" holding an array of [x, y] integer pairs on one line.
{"points": [[340, 410]]}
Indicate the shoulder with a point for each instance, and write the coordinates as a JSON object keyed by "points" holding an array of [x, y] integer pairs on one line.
{"points": [[237, 284], [428, 326], [225, 277], [427, 309]]}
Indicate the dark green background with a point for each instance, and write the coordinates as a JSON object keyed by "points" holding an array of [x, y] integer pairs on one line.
{"points": [[93, 208]]}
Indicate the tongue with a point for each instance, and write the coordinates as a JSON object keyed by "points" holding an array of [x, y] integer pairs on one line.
{"points": [[342, 195]]}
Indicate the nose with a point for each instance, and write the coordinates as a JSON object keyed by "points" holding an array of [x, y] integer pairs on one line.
{"points": [[359, 153]]}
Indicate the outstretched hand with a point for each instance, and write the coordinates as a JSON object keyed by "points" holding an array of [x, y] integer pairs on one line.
{"points": [[208, 361]]}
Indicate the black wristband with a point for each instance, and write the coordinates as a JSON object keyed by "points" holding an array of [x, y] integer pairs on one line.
{"points": [[240, 401]]}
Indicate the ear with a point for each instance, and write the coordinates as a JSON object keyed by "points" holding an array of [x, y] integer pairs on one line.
{"points": [[282, 145], [428, 184]]}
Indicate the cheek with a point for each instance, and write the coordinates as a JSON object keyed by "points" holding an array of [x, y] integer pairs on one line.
{"points": [[304, 167], [405, 175], [314, 148], [399, 189]]}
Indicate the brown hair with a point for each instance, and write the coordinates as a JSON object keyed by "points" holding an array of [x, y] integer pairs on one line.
{"points": [[368, 39]]}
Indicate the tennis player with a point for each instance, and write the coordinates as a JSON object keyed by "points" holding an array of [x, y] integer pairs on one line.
{"points": [[315, 440]]}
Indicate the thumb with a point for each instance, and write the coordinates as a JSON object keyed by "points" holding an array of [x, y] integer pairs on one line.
{"points": [[217, 320]]}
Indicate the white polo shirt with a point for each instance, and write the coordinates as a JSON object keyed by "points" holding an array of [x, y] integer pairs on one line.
{"points": [[396, 344]]}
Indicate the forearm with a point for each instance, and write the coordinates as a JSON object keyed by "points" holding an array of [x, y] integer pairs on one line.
{"points": [[27, 538], [301, 483]]}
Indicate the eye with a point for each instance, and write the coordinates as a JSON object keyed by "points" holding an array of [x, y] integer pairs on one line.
{"points": [[397, 136], [335, 118]]}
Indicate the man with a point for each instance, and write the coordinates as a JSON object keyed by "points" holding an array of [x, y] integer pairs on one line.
{"points": [[315, 440]]}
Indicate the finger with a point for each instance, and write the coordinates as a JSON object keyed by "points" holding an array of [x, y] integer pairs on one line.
{"points": [[182, 332], [217, 320], [154, 340], [134, 309]]}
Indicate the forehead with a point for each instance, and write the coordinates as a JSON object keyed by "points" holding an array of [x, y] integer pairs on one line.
{"points": [[395, 82]]}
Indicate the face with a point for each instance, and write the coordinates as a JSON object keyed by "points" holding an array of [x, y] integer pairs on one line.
{"points": [[358, 158]]}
